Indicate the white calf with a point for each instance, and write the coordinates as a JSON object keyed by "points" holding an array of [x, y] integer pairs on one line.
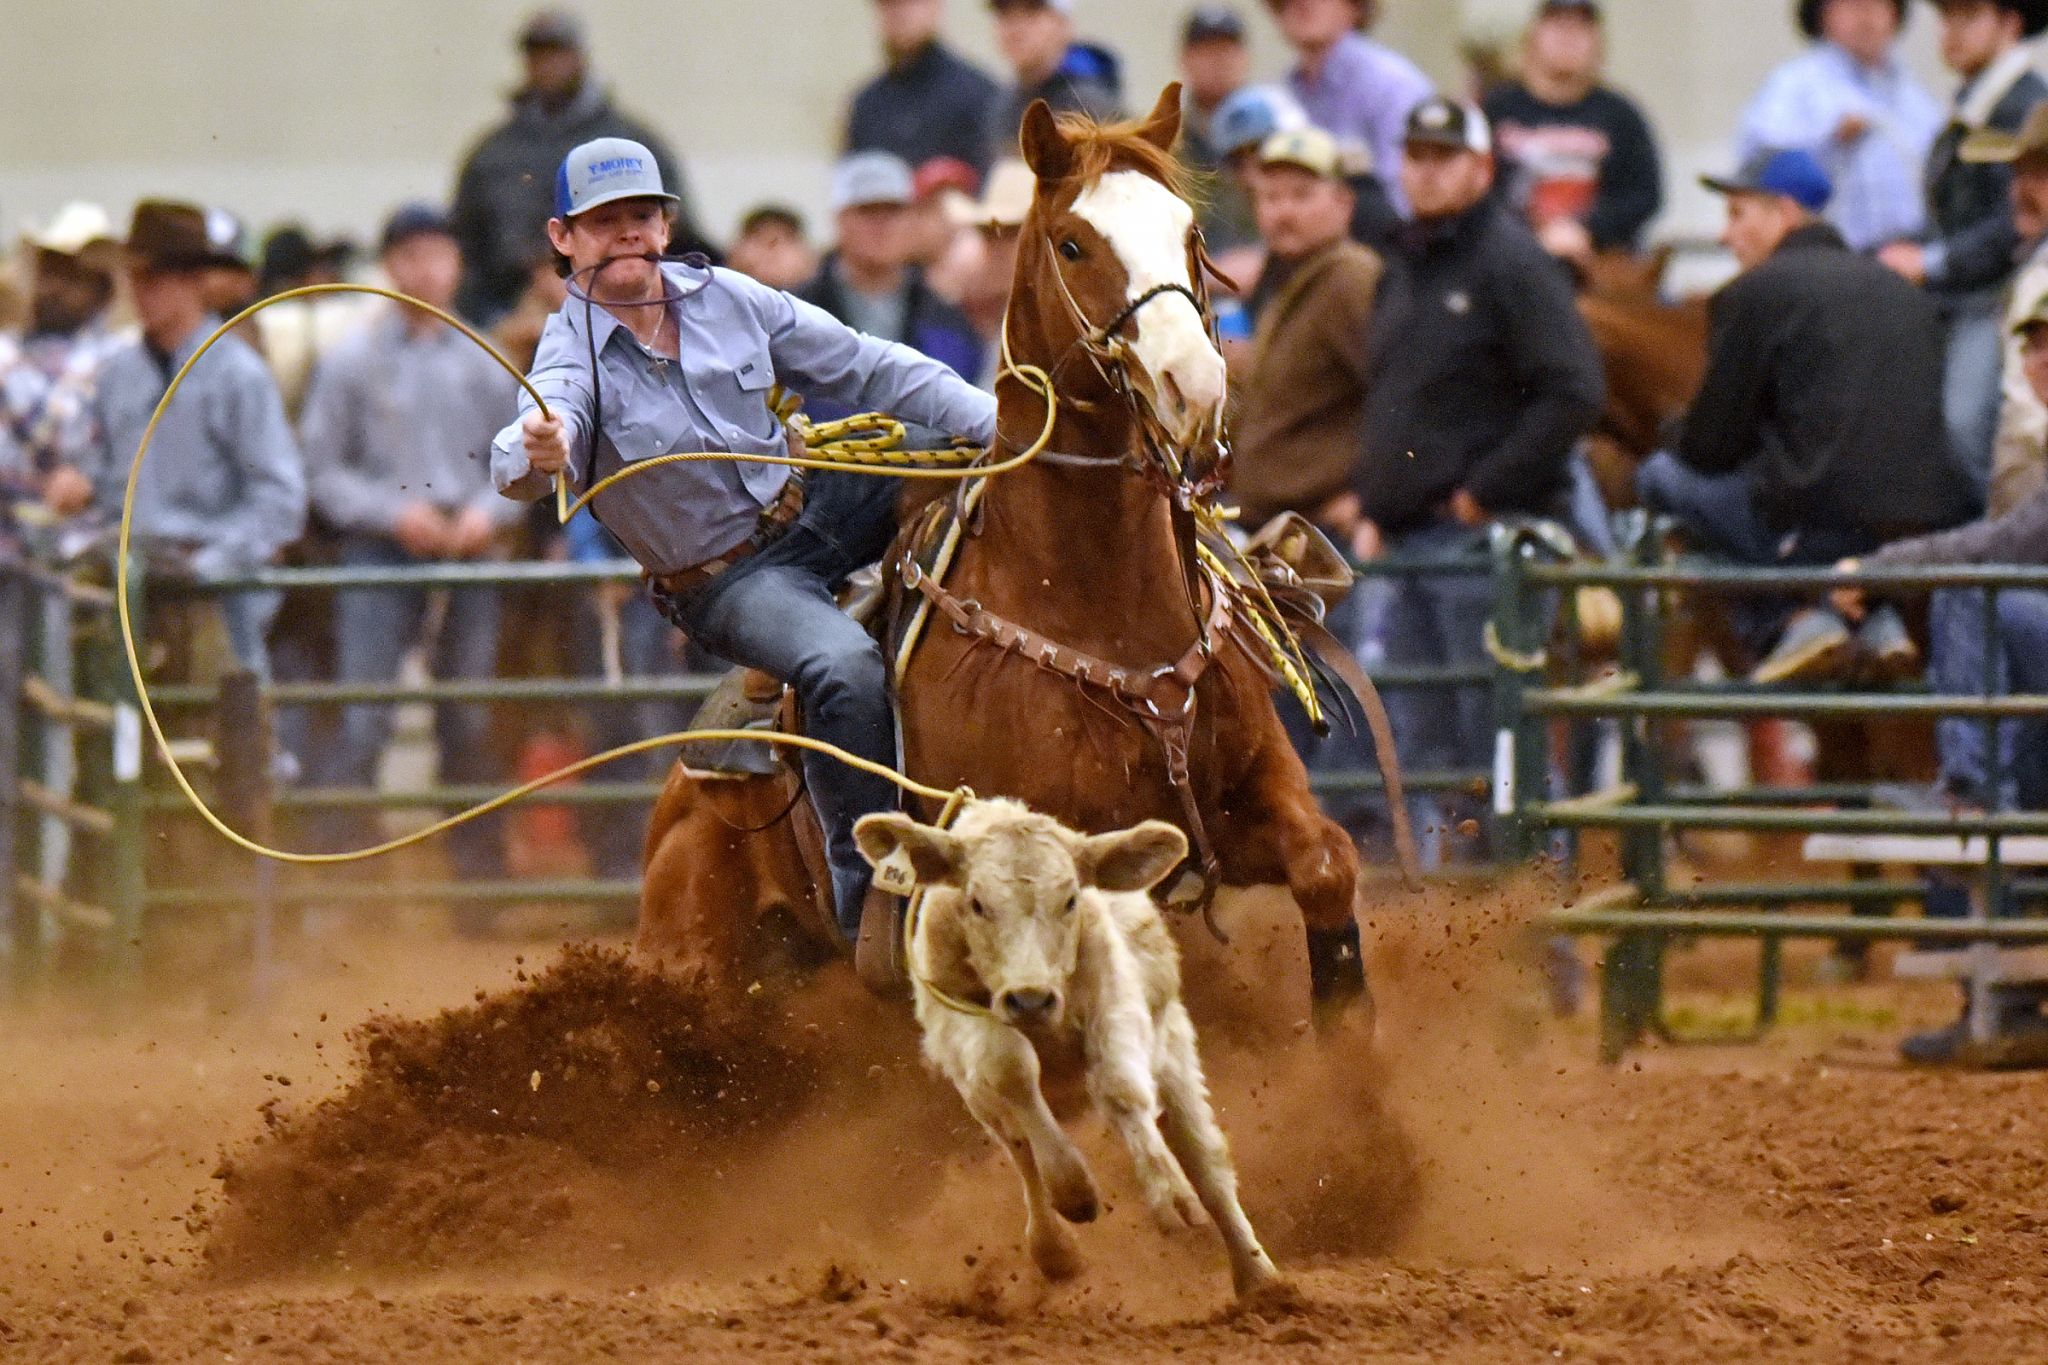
{"points": [[1034, 944]]}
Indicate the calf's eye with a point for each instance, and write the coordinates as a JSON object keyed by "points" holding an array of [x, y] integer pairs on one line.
{"points": [[974, 904]]}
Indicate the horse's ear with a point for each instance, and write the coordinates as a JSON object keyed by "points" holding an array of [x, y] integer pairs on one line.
{"points": [[1161, 127], [1046, 150]]}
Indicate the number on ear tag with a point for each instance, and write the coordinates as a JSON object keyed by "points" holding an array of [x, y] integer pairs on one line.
{"points": [[895, 875]]}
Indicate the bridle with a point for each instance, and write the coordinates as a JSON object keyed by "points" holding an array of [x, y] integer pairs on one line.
{"points": [[1160, 456]]}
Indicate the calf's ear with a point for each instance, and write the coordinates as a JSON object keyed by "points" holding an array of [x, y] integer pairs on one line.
{"points": [[935, 857], [1131, 859]]}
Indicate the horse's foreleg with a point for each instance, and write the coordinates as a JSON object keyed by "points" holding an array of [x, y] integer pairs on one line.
{"points": [[1278, 834]]}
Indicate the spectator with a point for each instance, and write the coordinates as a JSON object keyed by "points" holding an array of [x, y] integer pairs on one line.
{"points": [[1583, 160], [49, 371], [1817, 432], [947, 253], [868, 281], [1297, 425], [1214, 65], [1357, 90], [1483, 380], [928, 102], [224, 489], [998, 220], [292, 260], [2003, 766], [1970, 245], [1851, 103], [2019, 461], [230, 281], [1300, 389], [505, 190], [773, 248], [397, 431], [1046, 63]]}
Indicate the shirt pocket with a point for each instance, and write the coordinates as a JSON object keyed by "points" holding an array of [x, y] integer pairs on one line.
{"points": [[737, 393]]}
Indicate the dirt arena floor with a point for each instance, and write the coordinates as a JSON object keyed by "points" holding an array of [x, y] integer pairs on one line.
{"points": [[560, 1159]]}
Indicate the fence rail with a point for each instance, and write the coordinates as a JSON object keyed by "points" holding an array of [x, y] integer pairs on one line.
{"points": [[76, 805]]}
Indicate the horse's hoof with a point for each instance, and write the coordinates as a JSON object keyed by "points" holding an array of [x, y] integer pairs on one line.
{"points": [[1057, 1256]]}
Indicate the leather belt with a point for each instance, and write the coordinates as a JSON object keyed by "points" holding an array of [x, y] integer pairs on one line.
{"points": [[776, 518]]}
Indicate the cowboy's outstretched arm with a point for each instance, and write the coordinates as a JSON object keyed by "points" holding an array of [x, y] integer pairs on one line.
{"points": [[824, 358], [561, 371]]}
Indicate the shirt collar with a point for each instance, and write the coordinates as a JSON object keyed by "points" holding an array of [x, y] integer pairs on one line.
{"points": [[685, 281]]}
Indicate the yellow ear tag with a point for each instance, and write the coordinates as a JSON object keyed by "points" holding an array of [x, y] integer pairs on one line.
{"points": [[895, 874]]}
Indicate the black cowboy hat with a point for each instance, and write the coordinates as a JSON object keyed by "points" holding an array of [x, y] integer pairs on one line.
{"points": [[2033, 14], [1809, 15]]}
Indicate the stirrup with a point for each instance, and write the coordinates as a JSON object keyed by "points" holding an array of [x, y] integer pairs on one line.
{"points": [[878, 946]]}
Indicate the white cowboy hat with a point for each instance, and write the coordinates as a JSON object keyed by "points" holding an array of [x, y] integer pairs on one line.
{"points": [[77, 226]]}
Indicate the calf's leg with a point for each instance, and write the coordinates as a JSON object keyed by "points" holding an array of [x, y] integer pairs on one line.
{"points": [[1121, 1083], [1203, 1152]]}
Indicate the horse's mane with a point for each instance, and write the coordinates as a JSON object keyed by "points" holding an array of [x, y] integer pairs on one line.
{"points": [[1100, 148]]}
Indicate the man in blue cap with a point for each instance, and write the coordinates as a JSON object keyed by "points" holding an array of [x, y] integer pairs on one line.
{"points": [[1818, 431], [651, 356]]}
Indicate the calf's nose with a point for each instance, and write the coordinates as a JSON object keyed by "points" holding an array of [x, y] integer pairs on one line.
{"points": [[1023, 1006]]}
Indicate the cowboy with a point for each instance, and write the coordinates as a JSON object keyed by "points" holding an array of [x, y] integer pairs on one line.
{"points": [[224, 489], [655, 357], [2019, 461], [49, 370]]}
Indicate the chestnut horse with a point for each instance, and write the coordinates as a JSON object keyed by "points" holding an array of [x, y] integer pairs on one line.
{"points": [[1084, 548]]}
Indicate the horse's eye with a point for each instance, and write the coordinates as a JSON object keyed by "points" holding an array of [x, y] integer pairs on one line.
{"points": [[1070, 249]]}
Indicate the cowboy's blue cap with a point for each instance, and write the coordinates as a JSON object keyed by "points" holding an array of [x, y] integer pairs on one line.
{"points": [[604, 170], [1247, 117], [1795, 174]]}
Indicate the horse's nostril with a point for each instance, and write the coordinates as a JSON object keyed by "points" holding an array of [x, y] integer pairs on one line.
{"points": [[1028, 1004]]}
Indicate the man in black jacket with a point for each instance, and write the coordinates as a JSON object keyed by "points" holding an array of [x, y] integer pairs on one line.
{"points": [[1818, 430], [1972, 246], [929, 102], [1482, 380]]}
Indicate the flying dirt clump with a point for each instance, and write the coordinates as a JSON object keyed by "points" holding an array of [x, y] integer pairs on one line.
{"points": [[469, 1137]]}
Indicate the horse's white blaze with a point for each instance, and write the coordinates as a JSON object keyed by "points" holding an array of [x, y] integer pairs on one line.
{"points": [[1147, 226]]}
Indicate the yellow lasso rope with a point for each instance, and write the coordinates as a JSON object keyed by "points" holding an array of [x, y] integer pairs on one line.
{"points": [[1030, 374]]}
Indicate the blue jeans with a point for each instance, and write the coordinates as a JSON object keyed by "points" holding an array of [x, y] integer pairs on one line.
{"points": [[373, 630], [775, 612], [1972, 370], [2002, 765], [1718, 514], [1437, 621]]}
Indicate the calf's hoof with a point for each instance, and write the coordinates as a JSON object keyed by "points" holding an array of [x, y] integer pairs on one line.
{"points": [[1260, 1284], [1178, 1208]]}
